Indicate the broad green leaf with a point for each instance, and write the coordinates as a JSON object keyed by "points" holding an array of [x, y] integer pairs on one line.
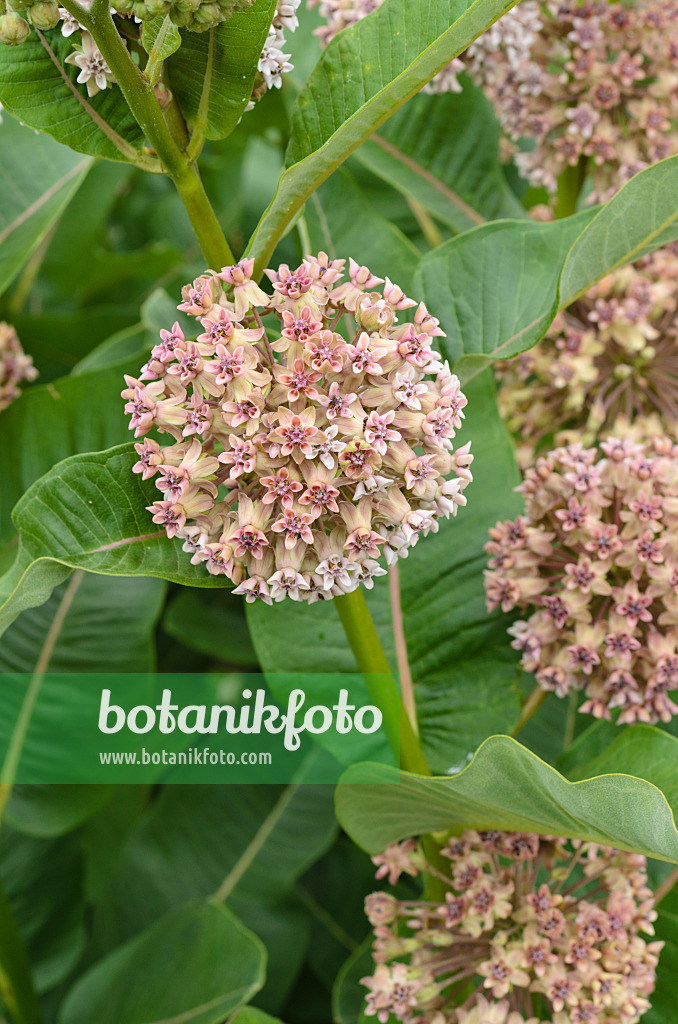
{"points": [[366, 73], [250, 1015], [212, 623], [348, 997], [249, 843], [72, 632], [212, 74], [89, 512], [340, 218], [44, 882], [58, 340], [40, 90], [508, 787], [16, 982], [443, 151], [38, 179], [220, 967], [51, 422], [531, 270], [462, 665]]}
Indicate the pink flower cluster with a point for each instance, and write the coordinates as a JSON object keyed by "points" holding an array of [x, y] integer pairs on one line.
{"points": [[533, 927], [300, 454], [596, 557], [15, 365], [594, 85], [613, 354]]}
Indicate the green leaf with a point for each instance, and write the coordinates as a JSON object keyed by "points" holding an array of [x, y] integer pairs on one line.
{"points": [[160, 38], [212, 75], [366, 73], [52, 810], [249, 843], [38, 179], [68, 634], [341, 219], [531, 270], [462, 666], [39, 89], [89, 512], [16, 983], [348, 997], [508, 787], [443, 152], [220, 968], [213, 624], [44, 882], [50, 422]]}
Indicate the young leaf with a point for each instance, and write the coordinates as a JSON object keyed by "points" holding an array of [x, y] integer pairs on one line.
{"points": [[531, 270], [160, 39], [213, 73], [366, 73], [443, 152], [38, 179], [39, 89], [508, 787], [220, 968]]}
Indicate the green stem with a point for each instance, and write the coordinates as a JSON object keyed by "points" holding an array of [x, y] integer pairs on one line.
{"points": [[372, 662], [569, 186], [16, 980], [141, 99]]}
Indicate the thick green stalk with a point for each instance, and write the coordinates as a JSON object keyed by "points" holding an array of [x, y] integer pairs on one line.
{"points": [[141, 99], [372, 662]]}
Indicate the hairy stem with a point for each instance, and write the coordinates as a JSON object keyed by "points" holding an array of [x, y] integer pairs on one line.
{"points": [[141, 99], [373, 664]]}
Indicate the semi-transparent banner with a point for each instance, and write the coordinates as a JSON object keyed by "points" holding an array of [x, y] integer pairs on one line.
{"points": [[86, 728]]}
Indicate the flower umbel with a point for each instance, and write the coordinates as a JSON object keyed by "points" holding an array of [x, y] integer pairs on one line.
{"points": [[596, 557], [293, 477], [538, 928], [15, 365], [613, 353]]}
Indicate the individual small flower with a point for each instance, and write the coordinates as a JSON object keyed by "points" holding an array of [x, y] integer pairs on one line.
{"points": [[94, 71], [15, 365], [601, 584], [576, 951], [293, 465]]}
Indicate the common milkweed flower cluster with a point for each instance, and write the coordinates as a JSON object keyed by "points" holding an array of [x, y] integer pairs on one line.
{"points": [[592, 84], [542, 929], [613, 354], [596, 557], [300, 455], [15, 365]]}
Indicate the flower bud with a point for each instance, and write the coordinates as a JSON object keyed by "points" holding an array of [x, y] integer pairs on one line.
{"points": [[44, 16], [13, 29]]}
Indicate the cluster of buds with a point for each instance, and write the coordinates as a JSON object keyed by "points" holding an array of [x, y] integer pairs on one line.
{"points": [[535, 928], [594, 85], [596, 557], [301, 457], [195, 15], [613, 354], [15, 365]]}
